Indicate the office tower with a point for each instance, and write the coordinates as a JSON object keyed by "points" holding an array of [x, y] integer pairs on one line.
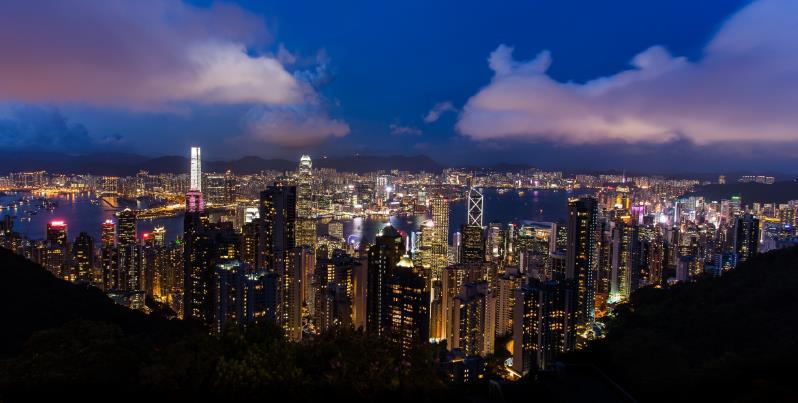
{"points": [[439, 234], [746, 237], [457, 247], [580, 254], [473, 249], [473, 320], [220, 188], [475, 207], [229, 294], [128, 252], [83, 258], [306, 220], [196, 170], [382, 259], [408, 302], [56, 247], [194, 200], [109, 262], [495, 243]]}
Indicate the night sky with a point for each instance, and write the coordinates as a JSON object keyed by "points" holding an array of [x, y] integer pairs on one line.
{"points": [[666, 86]]}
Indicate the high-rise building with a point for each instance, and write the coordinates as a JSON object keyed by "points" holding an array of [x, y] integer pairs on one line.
{"points": [[83, 258], [746, 237], [194, 200], [475, 207], [408, 305], [196, 170], [229, 294], [306, 220], [439, 236], [543, 324], [473, 244], [278, 210], [382, 259], [473, 320], [109, 262], [56, 248], [128, 252], [580, 254]]}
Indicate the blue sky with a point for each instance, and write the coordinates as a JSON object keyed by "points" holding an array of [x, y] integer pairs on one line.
{"points": [[361, 76]]}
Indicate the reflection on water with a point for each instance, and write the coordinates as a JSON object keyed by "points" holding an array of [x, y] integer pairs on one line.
{"points": [[82, 212]]}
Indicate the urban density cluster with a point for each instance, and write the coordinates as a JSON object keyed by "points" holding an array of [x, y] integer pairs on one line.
{"points": [[251, 250]]}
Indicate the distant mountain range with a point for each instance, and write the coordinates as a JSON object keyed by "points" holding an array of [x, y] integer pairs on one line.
{"points": [[124, 164], [121, 164]]}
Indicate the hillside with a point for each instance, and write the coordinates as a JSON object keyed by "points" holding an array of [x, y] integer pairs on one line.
{"points": [[727, 338], [71, 342]]}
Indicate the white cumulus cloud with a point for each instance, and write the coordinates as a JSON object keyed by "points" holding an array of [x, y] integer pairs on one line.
{"points": [[744, 87]]}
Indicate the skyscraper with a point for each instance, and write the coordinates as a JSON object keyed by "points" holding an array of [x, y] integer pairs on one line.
{"points": [[128, 252], [580, 256], [473, 244], [475, 207], [194, 200], [83, 258], [746, 237], [408, 305], [108, 258], [306, 222], [439, 242], [382, 259]]}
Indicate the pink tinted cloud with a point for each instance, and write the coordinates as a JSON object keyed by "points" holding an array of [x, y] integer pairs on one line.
{"points": [[744, 87], [137, 54]]}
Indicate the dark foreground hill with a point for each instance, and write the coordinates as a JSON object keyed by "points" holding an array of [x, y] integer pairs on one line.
{"points": [[71, 342], [733, 338]]}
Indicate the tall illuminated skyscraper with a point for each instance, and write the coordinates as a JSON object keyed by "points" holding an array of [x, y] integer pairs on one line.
{"points": [[439, 241], [196, 169], [580, 254], [194, 201], [55, 254], [129, 260], [83, 258], [475, 207], [306, 222]]}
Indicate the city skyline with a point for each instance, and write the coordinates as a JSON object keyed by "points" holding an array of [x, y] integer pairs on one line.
{"points": [[609, 99], [232, 200]]}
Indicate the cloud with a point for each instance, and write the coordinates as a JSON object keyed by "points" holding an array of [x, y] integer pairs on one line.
{"points": [[136, 54], [440, 108], [400, 130], [38, 128], [292, 125], [743, 88], [157, 55]]}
